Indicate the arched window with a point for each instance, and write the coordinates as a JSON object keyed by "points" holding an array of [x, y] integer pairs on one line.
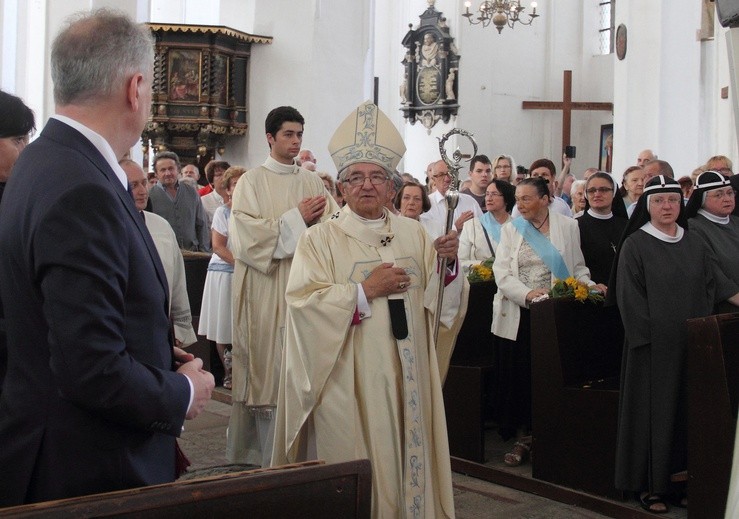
{"points": [[607, 29]]}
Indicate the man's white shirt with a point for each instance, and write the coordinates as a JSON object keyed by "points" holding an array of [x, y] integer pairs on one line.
{"points": [[434, 220]]}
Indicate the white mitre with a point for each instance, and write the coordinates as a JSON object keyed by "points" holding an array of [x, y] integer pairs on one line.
{"points": [[366, 135]]}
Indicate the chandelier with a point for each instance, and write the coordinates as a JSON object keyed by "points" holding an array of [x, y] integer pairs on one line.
{"points": [[500, 13]]}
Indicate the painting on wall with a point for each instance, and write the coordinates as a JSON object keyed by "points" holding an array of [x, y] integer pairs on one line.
{"points": [[605, 159], [184, 75]]}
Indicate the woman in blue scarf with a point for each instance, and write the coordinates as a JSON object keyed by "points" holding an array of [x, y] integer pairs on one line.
{"points": [[535, 250], [480, 237]]}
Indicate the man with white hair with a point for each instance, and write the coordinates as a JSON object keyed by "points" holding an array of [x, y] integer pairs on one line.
{"points": [[306, 156], [360, 377], [434, 220], [644, 157], [191, 171]]}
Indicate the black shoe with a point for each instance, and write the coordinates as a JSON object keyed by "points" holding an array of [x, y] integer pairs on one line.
{"points": [[651, 503]]}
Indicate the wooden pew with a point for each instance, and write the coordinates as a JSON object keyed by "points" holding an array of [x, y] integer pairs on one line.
{"points": [[310, 490], [471, 365], [713, 393], [575, 361]]}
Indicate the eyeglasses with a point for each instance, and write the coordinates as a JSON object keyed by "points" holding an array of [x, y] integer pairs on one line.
{"points": [[358, 180], [493, 194], [601, 190], [672, 200], [442, 175], [718, 195]]}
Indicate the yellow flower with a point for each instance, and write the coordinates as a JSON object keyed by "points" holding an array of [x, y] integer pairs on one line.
{"points": [[581, 292], [571, 281], [480, 272]]}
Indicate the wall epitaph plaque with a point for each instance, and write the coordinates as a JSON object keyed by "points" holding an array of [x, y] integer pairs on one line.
{"points": [[428, 92], [200, 91]]}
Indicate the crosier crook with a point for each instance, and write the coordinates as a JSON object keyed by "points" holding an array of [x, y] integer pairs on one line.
{"points": [[452, 198]]}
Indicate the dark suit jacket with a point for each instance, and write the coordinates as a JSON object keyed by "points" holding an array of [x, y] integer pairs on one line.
{"points": [[90, 402]]}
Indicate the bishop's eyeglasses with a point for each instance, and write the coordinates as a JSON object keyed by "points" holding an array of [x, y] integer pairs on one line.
{"points": [[358, 180]]}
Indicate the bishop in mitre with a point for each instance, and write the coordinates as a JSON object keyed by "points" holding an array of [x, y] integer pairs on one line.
{"points": [[360, 377]]}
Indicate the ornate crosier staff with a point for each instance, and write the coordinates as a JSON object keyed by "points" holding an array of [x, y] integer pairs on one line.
{"points": [[452, 197]]}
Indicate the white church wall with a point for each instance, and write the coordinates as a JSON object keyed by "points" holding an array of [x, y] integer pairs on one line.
{"points": [[316, 64], [497, 73], [680, 81], [636, 84], [668, 88], [722, 124], [23, 51], [8, 44]]}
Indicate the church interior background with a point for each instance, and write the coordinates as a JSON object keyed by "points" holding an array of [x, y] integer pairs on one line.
{"points": [[670, 93]]}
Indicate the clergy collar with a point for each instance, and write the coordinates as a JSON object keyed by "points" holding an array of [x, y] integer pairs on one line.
{"points": [[378, 224], [376, 233], [722, 220], [651, 229], [599, 216], [278, 167]]}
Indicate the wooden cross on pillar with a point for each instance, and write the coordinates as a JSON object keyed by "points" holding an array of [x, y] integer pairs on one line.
{"points": [[566, 105]]}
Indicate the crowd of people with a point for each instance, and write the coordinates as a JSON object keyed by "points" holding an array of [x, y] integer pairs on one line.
{"points": [[322, 291]]}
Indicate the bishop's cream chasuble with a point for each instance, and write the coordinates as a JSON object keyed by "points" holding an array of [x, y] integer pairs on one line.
{"points": [[354, 391]]}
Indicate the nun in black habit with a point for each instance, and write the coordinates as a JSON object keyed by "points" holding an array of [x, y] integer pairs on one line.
{"points": [[709, 213], [601, 225], [664, 276]]}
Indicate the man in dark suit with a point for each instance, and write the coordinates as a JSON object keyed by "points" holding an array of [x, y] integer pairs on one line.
{"points": [[94, 395]]}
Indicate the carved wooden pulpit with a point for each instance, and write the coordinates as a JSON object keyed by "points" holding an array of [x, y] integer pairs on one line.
{"points": [[200, 94]]}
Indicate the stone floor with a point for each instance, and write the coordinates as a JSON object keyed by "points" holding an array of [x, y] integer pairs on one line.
{"points": [[204, 442]]}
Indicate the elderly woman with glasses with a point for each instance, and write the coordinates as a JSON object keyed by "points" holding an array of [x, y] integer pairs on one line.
{"points": [[601, 225], [710, 215], [534, 251], [664, 276]]}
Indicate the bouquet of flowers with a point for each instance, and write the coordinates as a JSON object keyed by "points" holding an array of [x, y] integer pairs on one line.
{"points": [[572, 287], [481, 271]]}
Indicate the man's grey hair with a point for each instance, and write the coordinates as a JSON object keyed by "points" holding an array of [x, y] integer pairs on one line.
{"points": [[167, 155], [664, 167], [96, 53]]}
